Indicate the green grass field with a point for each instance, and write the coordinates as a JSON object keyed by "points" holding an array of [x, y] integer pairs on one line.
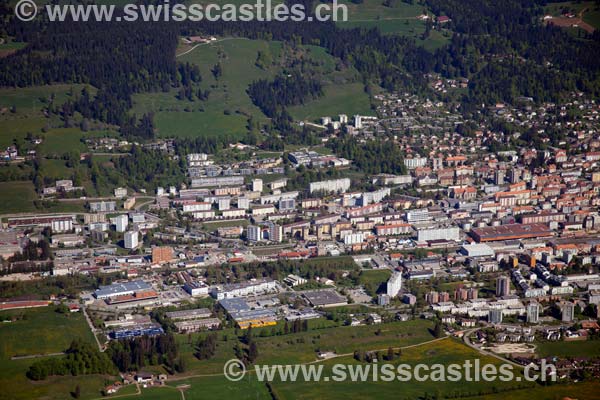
{"points": [[588, 348], [58, 141], [17, 197], [228, 104], [30, 100], [228, 107], [43, 331], [581, 390], [590, 9], [398, 18], [349, 99], [447, 351]]}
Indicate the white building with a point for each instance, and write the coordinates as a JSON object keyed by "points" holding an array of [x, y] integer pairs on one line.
{"points": [[417, 162], [243, 203], [452, 233], [131, 239], [224, 203], [533, 313], [254, 233], [121, 222], [358, 122], [332, 186], [394, 284], [120, 192], [257, 185]]}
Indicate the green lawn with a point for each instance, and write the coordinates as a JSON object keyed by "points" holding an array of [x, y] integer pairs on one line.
{"points": [[443, 352], [30, 100], [43, 331], [589, 348], [374, 279], [59, 141], [228, 104], [581, 390], [349, 99], [17, 197]]}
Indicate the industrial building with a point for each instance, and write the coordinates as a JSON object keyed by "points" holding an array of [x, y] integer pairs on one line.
{"points": [[324, 298], [253, 287], [511, 231]]}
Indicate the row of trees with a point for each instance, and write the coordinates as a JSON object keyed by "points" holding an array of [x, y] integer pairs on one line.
{"points": [[81, 358]]}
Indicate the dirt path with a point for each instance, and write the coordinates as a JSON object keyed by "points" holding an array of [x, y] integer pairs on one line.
{"points": [[202, 44]]}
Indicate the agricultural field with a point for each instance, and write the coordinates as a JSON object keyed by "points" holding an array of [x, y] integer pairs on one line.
{"points": [[590, 348], [17, 196], [393, 17], [586, 15], [581, 390], [41, 331], [445, 352], [374, 278], [347, 99], [22, 113], [229, 107]]}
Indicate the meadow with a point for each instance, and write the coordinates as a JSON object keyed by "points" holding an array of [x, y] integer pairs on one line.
{"points": [[229, 107], [41, 331], [17, 197], [589, 348]]}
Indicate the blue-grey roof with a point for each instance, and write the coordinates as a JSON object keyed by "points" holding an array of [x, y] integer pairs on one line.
{"points": [[118, 288]]}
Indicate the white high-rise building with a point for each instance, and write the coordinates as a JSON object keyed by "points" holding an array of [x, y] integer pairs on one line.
{"points": [[257, 185], [495, 316], [254, 233], [243, 203], [394, 284], [358, 122], [224, 203], [131, 239], [533, 313], [121, 223]]}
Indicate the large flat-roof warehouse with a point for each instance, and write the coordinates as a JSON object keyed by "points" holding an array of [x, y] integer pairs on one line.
{"points": [[510, 231], [324, 298], [121, 289]]}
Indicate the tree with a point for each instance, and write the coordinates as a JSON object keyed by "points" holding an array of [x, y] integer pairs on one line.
{"points": [[390, 354], [252, 352], [438, 331]]}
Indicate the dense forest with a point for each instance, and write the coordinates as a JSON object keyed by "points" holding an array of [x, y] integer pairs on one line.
{"points": [[491, 40], [81, 359], [133, 354], [293, 89], [372, 157]]}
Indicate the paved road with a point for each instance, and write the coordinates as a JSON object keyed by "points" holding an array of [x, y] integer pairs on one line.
{"points": [[467, 341]]}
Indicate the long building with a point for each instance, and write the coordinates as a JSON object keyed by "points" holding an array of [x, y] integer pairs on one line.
{"points": [[332, 186], [252, 287], [121, 289], [511, 231]]}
